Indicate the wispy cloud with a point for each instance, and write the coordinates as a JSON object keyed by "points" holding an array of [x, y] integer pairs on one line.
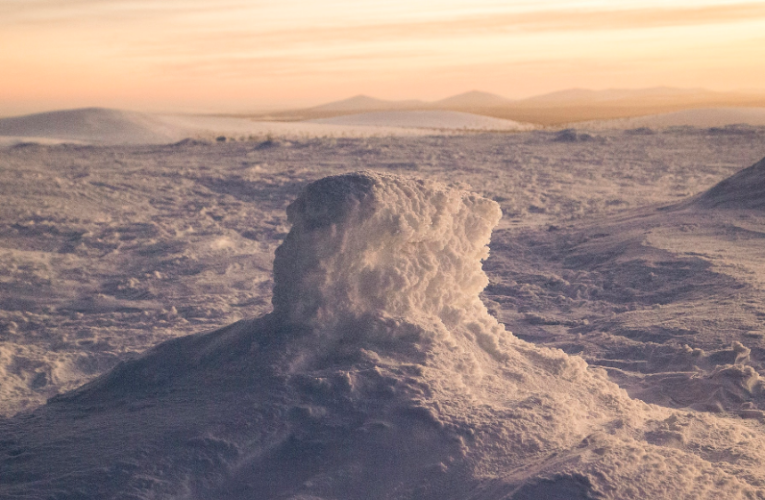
{"points": [[31, 12], [237, 37], [394, 21], [539, 21]]}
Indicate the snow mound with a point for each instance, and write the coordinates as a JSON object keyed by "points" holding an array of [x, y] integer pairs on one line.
{"points": [[97, 125], [571, 135], [370, 243], [746, 190], [380, 375], [440, 120]]}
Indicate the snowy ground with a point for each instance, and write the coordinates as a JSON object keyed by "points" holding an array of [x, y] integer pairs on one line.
{"points": [[438, 120], [106, 251], [117, 127], [109, 250]]}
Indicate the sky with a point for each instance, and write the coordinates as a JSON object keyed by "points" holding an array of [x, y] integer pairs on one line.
{"points": [[242, 56]]}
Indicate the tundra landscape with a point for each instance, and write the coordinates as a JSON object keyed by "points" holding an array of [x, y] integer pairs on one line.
{"points": [[607, 343], [403, 250]]}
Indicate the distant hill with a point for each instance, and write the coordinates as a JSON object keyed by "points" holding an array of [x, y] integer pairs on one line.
{"points": [[699, 117], [655, 96], [472, 99], [571, 96], [366, 103], [556, 108], [99, 125]]}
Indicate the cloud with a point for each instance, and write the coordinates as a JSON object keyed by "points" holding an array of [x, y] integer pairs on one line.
{"points": [[540, 21], [500, 18], [245, 34], [32, 12]]}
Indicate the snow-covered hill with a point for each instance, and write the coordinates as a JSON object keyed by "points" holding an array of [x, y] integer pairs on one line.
{"points": [[92, 125], [702, 117]]}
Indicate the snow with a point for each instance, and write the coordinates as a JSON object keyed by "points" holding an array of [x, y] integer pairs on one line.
{"points": [[746, 189], [210, 127], [366, 243], [634, 369], [112, 127], [98, 125], [440, 120], [703, 117]]}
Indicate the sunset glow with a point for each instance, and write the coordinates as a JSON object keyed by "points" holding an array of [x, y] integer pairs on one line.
{"points": [[247, 55]]}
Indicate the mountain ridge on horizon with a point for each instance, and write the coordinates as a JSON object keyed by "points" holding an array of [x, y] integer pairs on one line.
{"points": [[562, 107], [553, 108], [572, 93]]}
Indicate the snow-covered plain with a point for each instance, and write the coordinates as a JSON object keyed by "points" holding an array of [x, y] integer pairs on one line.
{"points": [[603, 252], [438, 120], [114, 127]]}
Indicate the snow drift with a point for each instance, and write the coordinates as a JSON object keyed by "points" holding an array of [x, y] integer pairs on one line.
{"points": [[746, 189], [380, 375], [98, 125]]}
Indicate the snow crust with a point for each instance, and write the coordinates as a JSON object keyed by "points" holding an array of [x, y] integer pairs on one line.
{"points": [[380, 373], [369, 243], [375, 262]]}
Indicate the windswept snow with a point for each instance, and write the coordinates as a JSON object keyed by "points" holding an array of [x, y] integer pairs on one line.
{"points": [[634, 368], [440, 120], [744, 190], [97, 125], [367, 244], [380, 374]]}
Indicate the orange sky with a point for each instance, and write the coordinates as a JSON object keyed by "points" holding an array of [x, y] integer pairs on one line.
{"points": [[233, 55]]}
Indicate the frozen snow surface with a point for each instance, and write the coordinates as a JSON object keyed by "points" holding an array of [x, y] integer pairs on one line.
{"points": [[443, 120], [628, 266], [97, 125]]}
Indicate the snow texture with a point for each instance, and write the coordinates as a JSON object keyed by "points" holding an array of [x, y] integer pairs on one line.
{"points": [[368, 243], [380, 374], [744, 190]]}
